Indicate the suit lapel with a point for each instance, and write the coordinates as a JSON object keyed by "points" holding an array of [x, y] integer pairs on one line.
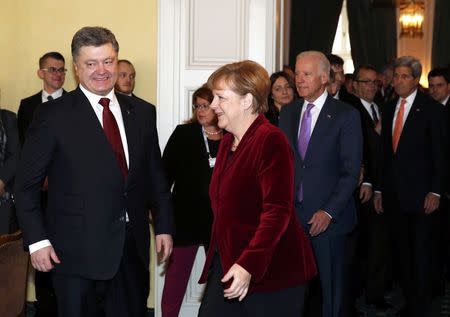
{"points": [[92, 134], [295, 125], [326, 116], [132, 133], [414, 112]]}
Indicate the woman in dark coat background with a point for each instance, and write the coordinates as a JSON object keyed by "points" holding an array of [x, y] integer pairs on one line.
{"points": [[282, 92], [189, 158]]}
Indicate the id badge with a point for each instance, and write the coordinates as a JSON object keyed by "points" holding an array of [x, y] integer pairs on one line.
{"points": [[212, 161]]}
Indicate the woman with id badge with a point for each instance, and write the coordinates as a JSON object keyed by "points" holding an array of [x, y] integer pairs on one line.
{"points": [[189, 158]]}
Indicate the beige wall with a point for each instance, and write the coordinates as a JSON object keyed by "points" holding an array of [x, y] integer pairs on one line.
{"points": [[29, 28]]}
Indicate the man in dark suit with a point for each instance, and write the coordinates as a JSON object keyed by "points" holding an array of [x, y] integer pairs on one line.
{"points": [[439, 89], [126, 78], [326, 137], [372, 233], [439, 85], [101, 154], [52, 71], [337, 67], [414, 140]]}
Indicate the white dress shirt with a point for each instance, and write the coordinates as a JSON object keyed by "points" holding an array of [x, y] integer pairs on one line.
{"points": [[98, 109], [367, 105], [56, 94], [315, 112], [408, 105], [444, 102]]}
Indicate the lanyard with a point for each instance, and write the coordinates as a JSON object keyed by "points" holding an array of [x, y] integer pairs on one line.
{"points": [[211, 160]]}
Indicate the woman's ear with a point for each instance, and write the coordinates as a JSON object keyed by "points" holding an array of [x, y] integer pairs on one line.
{"points": [[247, 100]]}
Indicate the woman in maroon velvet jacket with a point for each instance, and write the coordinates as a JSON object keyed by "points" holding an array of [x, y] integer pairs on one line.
{"points": [[259, 258]]}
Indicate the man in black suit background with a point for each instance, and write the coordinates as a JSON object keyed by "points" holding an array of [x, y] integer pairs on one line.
{"points": [[52, 71], [101, 154], [439, 85], [373, 238], [126, 78], [414, 141], [439, 89]]}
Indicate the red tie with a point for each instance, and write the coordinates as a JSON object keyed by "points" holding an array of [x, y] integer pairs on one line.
{"points": [[398, 125], [113, 135]]}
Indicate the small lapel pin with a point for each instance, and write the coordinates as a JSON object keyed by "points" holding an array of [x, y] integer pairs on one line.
{"points": [[329, 116], [128, 111], [417, 110]]}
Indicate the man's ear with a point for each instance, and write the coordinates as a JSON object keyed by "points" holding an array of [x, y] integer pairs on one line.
{"points": [[75, 68], [40, 73]]}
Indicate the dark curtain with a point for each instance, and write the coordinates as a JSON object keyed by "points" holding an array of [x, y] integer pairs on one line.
{"points": [[441, 34], [313, 26], [373, 35]]}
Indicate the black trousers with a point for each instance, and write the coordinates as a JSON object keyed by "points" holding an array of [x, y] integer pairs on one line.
{"points": [[125, 295], [286, 302], [372, 258], [413, 242]]}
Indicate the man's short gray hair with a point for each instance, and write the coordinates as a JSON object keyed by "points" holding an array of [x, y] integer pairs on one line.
{"points": [[324, 64], [411, 62]]}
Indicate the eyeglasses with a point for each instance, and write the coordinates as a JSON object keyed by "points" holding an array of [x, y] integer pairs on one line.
{"points": [[202, 107], [54, 70], [369, 82]]}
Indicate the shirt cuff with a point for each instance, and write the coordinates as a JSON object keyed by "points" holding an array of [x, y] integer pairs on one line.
{"points": [[436, 194], [328, 214], [39, 245], [377, 192], [367, 184]]}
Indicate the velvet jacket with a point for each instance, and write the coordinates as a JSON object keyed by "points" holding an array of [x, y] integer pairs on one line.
{"points": [[254, 219]]}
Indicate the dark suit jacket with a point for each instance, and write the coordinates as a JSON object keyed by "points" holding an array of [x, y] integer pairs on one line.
{"points": [[371, 142], [8, 223], [87, 195], [8, 169], [26, 111], [419, 165], [330, 171], [254, 219], [187, 168]]}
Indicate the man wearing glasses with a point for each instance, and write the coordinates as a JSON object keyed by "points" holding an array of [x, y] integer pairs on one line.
{"points": [[372, 236], [52, 71]]}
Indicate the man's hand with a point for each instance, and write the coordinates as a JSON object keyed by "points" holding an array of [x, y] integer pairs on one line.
{"points": [[431, 203], [164, 245], [319, 222], [240, 284], [378, 203], [365, 193], [44, 186], [2, 188], [361, 175], [378, 127], [42, 259]]}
